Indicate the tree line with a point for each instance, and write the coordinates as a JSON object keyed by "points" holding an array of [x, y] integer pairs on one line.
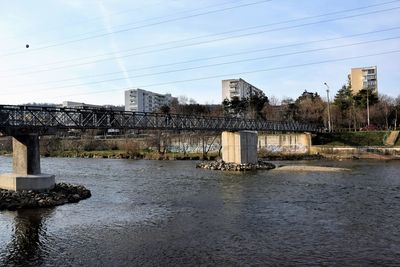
{"points": [[364, 110]]}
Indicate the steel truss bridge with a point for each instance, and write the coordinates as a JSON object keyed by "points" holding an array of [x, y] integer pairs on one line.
{"points": [[44, 120]]}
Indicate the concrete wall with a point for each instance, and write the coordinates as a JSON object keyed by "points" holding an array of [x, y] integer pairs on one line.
{"points": [[186, 142], [26, 156], [26, 173], [239, 147], [292, 143], [194, 143]]}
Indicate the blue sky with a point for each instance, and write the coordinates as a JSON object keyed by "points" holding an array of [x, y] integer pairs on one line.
{"points": [[91, 51]]}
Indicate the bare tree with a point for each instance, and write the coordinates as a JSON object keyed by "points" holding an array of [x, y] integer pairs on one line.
{"points": [[183, 100]]}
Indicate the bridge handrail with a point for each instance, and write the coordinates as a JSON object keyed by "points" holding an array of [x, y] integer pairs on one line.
{"points": [[93, 117]]}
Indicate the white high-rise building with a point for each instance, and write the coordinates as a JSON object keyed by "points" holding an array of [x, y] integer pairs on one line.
{"points": [[238, 88], [140, 100]]}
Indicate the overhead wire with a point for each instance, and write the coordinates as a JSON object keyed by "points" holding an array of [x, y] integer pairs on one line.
{"points": [[80, 22], [237, 61], [134, 28], [210, 35], [215, 57], [216, 64], [198, 43], [159, 17], [245, 72]]}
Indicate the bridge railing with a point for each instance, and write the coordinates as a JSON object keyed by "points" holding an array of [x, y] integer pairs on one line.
{"points": [[44, 118]]}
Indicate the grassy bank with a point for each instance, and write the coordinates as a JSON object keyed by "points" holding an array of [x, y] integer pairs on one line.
{"points": [[4, 152], [397, 142], [122, 154], [355, 139]]}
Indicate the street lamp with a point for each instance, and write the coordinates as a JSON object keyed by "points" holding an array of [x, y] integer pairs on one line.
{"points": [[329, 108]]}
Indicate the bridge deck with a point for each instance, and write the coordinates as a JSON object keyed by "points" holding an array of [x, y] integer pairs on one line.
{"points": [[46, 119]]}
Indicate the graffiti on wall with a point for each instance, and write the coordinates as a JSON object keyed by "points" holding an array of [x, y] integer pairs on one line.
{"points": [[192, 148], [279, 149]]}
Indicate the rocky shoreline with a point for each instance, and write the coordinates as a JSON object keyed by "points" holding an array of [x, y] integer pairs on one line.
{"points": [[227, 166], [62, 193]]}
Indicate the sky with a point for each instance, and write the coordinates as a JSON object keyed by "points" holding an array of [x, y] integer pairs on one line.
{"points": [[91, 51]]}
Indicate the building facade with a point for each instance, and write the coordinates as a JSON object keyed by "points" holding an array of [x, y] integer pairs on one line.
{"points": [[363, 78], [238, 88], [140, 100], [72, 104]]}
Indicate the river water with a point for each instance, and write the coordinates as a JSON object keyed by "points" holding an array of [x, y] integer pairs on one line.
{"points": [[150, 213]]}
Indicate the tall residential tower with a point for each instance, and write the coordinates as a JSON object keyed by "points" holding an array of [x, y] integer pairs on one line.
{"points": [[140, 100], [364, 78], [238, 88]]}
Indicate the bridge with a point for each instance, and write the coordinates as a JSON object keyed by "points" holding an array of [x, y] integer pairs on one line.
{"points": [[44, 120], [27, 123]]}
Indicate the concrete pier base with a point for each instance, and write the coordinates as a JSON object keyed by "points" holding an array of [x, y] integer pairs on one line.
{"points": [[239, 147], [16, 182], [26, 173]]}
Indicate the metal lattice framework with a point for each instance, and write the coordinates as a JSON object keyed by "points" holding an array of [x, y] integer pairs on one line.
{"points": [[46, 119]]}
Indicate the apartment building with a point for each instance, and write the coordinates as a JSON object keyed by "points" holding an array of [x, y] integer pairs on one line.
{"points": [[238, 88], [72, 104], [140, 100], [363, 78]]}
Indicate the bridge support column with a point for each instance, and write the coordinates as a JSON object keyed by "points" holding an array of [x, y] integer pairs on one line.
{"points": [[239, 147], [26, 173]]}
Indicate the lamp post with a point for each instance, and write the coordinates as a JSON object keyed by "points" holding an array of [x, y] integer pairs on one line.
{"points": [[329, 108]]}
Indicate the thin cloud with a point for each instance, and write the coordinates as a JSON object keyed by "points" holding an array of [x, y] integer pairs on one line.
{"points": [[114, 46]]}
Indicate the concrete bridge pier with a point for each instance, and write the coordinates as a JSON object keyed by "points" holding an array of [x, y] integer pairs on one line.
{"points": [[239, 147], [26, 173]]}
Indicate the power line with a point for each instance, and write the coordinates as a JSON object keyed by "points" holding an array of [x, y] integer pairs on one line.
{"points": [[160, 17], [216, 57], [271, 24], [246, 72], [87, 20], [220, 64], [137, 27], [204, 42], [144, 20], [210, 35]]}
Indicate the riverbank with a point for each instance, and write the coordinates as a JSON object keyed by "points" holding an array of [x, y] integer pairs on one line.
{"points": [[334, 153], [121, 154], [316, 153], [306, 168], [368, 152]]}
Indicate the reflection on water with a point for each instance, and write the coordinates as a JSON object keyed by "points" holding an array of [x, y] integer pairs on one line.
{"points": [[151, 213], [25, 246]]}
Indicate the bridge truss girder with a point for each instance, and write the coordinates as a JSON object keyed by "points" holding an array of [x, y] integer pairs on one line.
{"points": [[50, 119]]}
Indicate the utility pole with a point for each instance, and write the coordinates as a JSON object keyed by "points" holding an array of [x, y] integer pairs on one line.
{"points": [[329, 108], [367, 106]]}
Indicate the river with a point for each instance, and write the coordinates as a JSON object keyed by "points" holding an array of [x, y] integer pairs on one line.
{"points": [[151, 213]]}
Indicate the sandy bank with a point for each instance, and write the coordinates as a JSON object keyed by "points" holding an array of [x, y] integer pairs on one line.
{"points": [[305, 168]]}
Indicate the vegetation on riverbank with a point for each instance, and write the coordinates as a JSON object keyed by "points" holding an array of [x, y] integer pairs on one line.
{"points": [[354, 139], [397, 143], [123, 154], [4, 152], [146, 148]]}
